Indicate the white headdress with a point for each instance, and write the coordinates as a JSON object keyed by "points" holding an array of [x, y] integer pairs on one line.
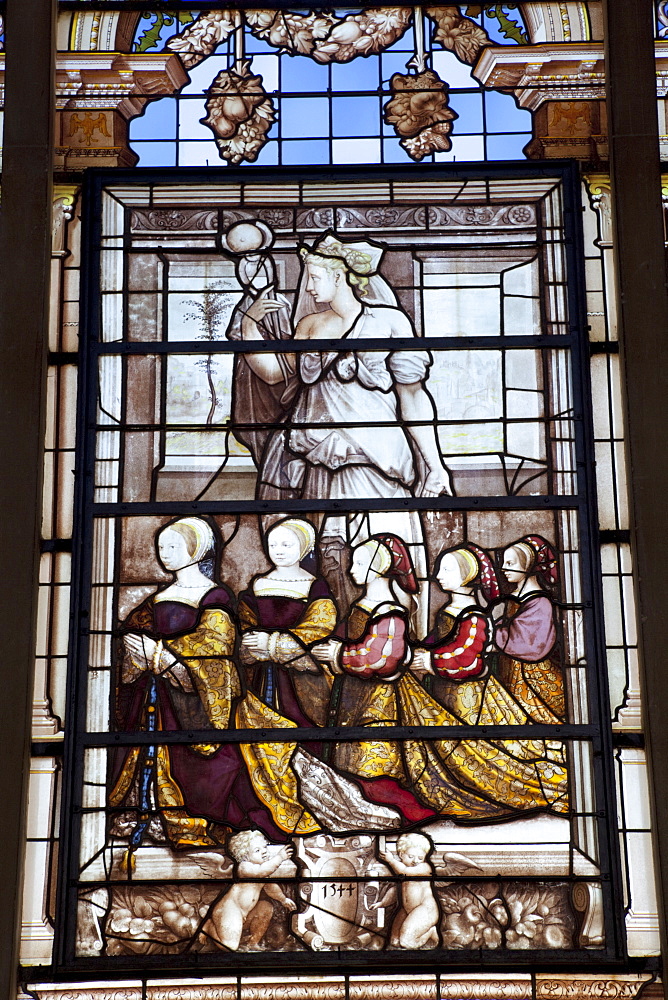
{"points": [[203, 533], [304, 531]]}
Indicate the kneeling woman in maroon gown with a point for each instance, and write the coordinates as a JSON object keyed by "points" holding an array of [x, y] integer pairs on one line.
{"points": [[177, 673], [282, 614]]}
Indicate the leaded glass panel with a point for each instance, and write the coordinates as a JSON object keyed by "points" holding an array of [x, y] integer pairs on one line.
{"points": [[290, 87], [339, 684]]}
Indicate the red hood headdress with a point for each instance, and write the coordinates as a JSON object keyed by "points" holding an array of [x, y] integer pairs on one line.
{"points": [[401, 568], [545, 559], [487, 578]]}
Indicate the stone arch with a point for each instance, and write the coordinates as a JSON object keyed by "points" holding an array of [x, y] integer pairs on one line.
{"points": [[100, 31], [557, 21]]}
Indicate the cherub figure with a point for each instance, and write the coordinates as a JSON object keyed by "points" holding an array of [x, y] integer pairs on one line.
{"points": [[416, 923], [241, 907]]}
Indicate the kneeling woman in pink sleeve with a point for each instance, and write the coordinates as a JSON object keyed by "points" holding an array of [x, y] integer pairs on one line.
{"points": [[373, 687], [529, 664], [453, 655]]}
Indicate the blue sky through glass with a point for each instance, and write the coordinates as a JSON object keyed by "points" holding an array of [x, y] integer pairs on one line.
{"points": [[330, 112]]}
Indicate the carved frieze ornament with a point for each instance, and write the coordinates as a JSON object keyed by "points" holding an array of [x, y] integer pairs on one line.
{"points": [[461, 986]]}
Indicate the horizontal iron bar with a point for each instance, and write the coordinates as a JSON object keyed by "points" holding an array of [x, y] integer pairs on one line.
{"points": [[364, 962], [554, 171], [46, 748], [346, 735], [620, 536], [55, 545], [436, 504], [627, 741], [346, 346], [85, 885], [604, 347], [58, 358], [293, 425]]}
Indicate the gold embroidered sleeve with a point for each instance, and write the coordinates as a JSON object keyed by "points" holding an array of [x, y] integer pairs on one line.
{"points": [[207, 653], [247, 617], [318, 622], [138, 622]]}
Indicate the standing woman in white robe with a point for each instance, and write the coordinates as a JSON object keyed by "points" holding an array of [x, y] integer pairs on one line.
{"points": [[393, 450], [360, 424]]}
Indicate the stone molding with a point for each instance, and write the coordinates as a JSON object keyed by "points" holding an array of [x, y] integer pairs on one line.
{"points": [[559, 986], [563, 84], [567, 71], [539, 73]]}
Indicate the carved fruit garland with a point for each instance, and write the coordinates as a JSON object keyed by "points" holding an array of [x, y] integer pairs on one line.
{"points": [[327, 38], [289, 31], [419, 112], [239, 113], [202, 37], [458, 33]]}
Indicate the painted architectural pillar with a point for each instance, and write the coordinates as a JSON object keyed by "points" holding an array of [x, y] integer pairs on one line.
{"points": [[642, 315], [25, 266]]}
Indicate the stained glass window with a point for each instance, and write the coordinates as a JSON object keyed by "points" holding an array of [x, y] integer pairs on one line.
{"points": [[351, 639], [287, 548], [377, 86]]}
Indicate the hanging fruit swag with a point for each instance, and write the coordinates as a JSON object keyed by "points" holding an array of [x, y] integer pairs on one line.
{"points": [[240, 113]]}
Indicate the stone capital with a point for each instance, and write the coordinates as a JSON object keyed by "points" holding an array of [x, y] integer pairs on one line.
{"points": [[97, 93], [598, 189]]}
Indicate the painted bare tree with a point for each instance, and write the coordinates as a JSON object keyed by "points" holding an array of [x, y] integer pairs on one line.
{"points": [[209, 313]]}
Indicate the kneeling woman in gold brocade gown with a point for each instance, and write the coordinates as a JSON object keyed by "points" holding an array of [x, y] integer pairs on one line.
{"points": [[281, 615], [529, 664], [466, 780], [453, 655], [177, 672]]}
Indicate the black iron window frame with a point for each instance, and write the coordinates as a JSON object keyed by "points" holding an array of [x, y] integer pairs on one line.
{"points": [[597, 732]]}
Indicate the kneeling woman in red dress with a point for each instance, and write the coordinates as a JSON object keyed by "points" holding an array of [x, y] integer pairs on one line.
{"points": [[464, 780]]}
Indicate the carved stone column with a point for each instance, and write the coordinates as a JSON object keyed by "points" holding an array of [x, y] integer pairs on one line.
{"points": [[25, 233], [44, 724], [642, 309]]}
